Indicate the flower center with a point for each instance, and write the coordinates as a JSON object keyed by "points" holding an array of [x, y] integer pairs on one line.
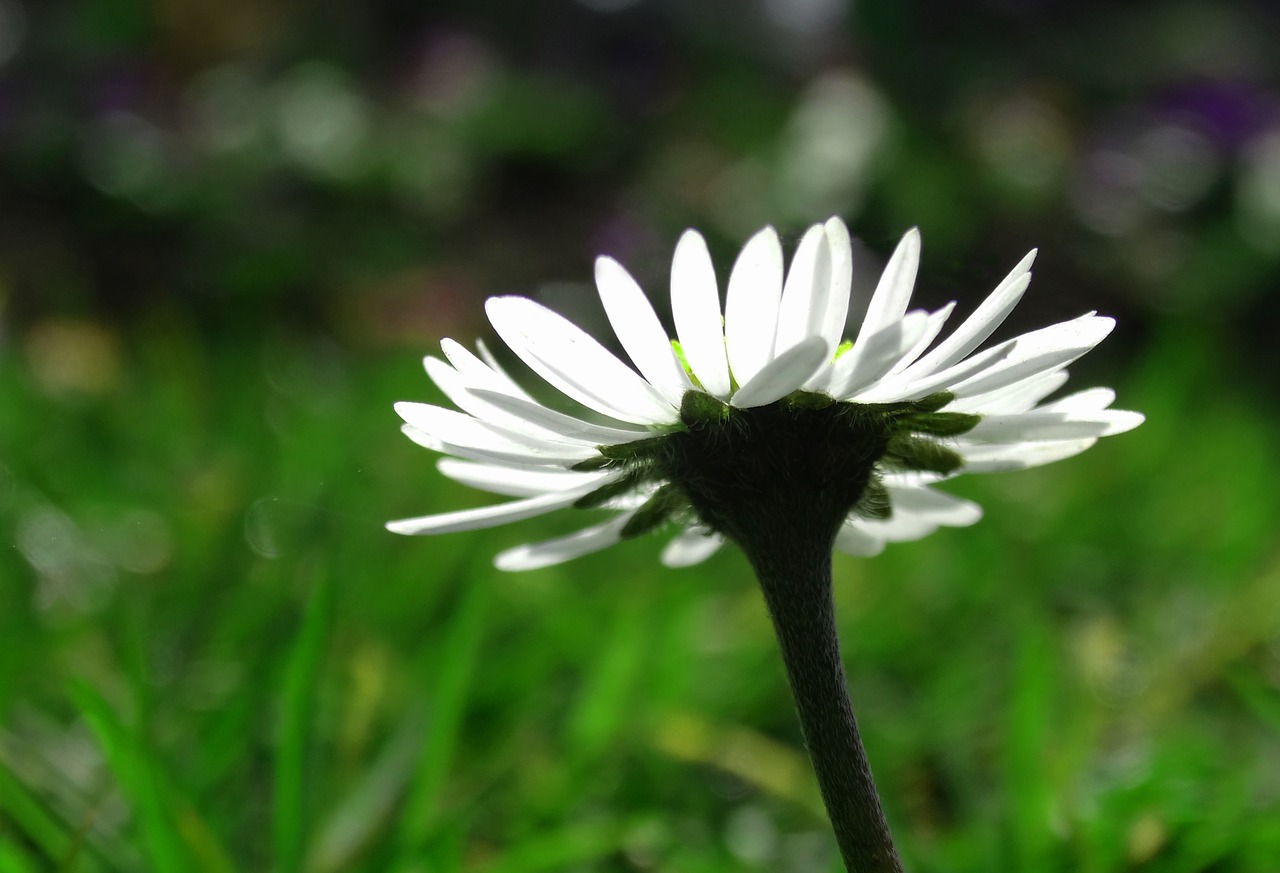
{"points": [[805, 461], [805, 457]]}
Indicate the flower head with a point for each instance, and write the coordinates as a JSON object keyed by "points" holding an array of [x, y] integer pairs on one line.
{"points": [[759, 413]]}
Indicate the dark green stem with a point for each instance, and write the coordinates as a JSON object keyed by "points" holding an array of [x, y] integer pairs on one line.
{"points": [[796, 579], [779, 480]]}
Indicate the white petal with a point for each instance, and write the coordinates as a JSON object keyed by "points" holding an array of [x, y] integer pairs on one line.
{"points": [[893, 291], [427, 441], [937, 319], [478, 373], [459, 429], [516, 481], [904, 387], [563, 354], [804, 296], [901, 528], [832, 324], [1047, 425], [820, 381], [833, 320], [1018, 397], [631, 499], [934, 506], [1049, 348], [984, 320], [506, 454], [1019, 456], [878, 354], [640, 331], [695, 305], [751, 305], [852, 540], [1088, 400], [566, 425], [453, 386], [488, 357], [783, 374], [690, 547], [911, 478], [486, 516], [556, 551]]}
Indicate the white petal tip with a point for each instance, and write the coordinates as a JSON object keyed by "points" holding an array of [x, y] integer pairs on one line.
{"points": [[1096, 328], [909, 246], [514, 560], [606, 266], [1024, 265], [689, 238], [690, 548], [767, 233], [837, 233], [1123, 421], [502, 306]]}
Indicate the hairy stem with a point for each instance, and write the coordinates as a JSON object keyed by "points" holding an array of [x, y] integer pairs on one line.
{"points": [[796, 579]]}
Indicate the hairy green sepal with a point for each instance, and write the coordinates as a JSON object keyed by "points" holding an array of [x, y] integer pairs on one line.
{"points": [[656, 511]]}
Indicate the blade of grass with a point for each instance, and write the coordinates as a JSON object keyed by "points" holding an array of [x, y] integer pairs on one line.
{"points": [[1027, 747], [27, 815], [773, 767], [605, 703], [64, 838], [365, 811], [450, 694], [297, 702], [562, 849], [13, 860], [138, 780], [1257, 694]]}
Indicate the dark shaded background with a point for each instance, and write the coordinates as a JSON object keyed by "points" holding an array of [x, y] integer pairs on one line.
{"points": [[242, 160], [227, 232]]}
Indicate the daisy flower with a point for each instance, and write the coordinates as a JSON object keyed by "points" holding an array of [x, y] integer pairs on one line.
{"points": [[760, 409], [762, 425]]}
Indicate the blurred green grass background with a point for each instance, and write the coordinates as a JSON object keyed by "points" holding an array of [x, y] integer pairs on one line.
{"points": [[229, 231]]}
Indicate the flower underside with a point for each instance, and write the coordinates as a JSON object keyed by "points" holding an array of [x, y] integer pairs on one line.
{"points": [[806, 458], [756, 419]]}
